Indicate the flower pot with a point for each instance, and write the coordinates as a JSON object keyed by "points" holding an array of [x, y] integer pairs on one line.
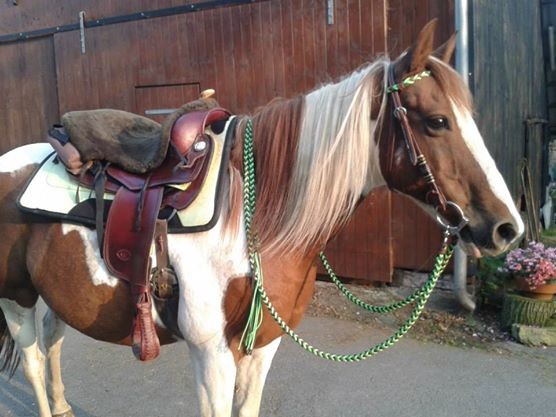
{"points": [[542, 292], [524, 310]]}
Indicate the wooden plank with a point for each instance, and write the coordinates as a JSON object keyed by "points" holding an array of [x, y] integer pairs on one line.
{"points": [[164, 97], [502, 111], [343, 52], [362, 250], [29, 102], [30, 15], [331, 46], [309, 61], [354, 24]]}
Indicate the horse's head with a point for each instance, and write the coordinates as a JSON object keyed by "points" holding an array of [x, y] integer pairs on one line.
{"points": [[440, 126]]}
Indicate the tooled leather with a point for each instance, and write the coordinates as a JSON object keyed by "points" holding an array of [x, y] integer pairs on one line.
{"points": [[188, 127], [169, 172], [126, 249], [179, 199], [144, 340]]}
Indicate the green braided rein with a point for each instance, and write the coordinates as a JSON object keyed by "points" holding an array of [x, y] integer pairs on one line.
{"points": [[420, 297]]}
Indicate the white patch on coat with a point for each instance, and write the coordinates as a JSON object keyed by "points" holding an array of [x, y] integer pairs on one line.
{"points": [[474, 141], [97, 269], [23, 156], [22, 326], [205, 263]]}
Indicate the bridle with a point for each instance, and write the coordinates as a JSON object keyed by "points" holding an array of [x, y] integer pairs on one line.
{"points": [[434, 195]]}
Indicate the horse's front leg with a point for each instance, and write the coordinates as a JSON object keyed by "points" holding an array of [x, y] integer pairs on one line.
{"points": [[251, 375], [215, 373], [53, 338], [21, 323]]}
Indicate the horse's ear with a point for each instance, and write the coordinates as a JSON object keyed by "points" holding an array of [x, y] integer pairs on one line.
{"points": [[416, 57], [445, 51]]}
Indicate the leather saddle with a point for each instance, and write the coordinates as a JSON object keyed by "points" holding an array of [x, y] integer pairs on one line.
{"points": [[132, 217]]}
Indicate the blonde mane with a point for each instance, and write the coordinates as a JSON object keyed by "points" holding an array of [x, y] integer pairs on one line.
{"points": [[316, 157]]}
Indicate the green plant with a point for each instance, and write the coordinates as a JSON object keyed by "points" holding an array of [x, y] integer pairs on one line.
{"points": [[492, 280]]}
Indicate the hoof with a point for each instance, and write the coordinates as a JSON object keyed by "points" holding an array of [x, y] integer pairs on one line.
{"points": [[68, 413]]}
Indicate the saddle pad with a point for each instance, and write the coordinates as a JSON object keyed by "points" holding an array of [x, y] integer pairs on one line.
{"points": [[51, 192]]}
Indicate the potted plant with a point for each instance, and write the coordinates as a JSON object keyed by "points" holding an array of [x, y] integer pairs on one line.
{"points": [[533, 275], [533, 269]]}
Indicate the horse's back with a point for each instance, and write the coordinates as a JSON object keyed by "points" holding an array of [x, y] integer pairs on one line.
{"points": [[23, 156]]}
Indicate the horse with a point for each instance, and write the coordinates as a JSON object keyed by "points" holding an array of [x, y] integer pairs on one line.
{"points": [[317, 156]]}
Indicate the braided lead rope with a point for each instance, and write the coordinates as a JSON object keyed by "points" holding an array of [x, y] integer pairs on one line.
{"points": [[360, 303], [440, 264], [406, 82], [260, 295], [255, 317]]}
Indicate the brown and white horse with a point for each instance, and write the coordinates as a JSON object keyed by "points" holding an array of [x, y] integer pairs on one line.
{"points": [[316, 157]]}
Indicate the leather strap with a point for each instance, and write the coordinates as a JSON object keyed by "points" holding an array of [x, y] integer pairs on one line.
{"points": [[434, 195], [144, 340], [59, 133], [164, 278], [126, 253], [100, 184]]}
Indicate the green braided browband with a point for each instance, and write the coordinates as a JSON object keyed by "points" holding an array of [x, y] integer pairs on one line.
{"points": [[408, 81]]}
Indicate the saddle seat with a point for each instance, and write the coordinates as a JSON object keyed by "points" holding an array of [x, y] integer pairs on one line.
{"points": [[140, 192]]}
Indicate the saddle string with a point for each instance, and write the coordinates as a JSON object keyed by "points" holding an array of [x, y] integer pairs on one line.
{"points": [[141, 204], [82, 172], [99, 182]]}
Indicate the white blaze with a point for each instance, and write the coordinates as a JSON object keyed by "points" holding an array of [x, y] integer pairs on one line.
{"points": [[474, 141]]}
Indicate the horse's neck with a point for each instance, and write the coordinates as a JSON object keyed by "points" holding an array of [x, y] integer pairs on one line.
{"points": [[315, 159]]}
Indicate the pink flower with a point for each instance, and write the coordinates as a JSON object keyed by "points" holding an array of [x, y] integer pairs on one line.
{"points": [[536, 263]]}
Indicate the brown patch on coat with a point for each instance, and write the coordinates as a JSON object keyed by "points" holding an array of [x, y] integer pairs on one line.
{"points": [[60, 274], [289, 284], [276, 129], [15, 283]]}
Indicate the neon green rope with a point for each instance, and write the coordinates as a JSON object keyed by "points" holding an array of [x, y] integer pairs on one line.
{"points": [[406, 82], [260, 296]]}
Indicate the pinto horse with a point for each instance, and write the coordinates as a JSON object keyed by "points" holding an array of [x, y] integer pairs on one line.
{"points": [[316, 157]]}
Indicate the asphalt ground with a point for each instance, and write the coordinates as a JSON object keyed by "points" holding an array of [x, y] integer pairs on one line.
{"points": [[414, 378]]}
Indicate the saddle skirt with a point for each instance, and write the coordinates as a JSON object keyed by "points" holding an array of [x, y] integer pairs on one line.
{"points": [[54, 193]]}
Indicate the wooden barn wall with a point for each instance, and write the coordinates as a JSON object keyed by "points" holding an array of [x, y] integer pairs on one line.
{"points": [[29, 15], [28, 95], [249, 54], [508, 84]]}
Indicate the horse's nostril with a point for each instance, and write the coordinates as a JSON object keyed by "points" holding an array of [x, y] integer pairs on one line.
{"points": [[506, 232]]}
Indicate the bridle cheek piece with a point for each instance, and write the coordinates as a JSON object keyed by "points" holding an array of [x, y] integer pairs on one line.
{"points": [[434, 196]]}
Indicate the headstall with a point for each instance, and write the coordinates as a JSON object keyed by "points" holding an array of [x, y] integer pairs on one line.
{"points": [[434, 196]]}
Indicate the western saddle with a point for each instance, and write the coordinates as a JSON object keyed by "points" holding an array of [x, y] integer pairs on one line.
{"points": [[176, 153]]}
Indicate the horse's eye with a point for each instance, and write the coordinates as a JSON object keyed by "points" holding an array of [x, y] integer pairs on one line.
{"points": [[438, 123]]}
